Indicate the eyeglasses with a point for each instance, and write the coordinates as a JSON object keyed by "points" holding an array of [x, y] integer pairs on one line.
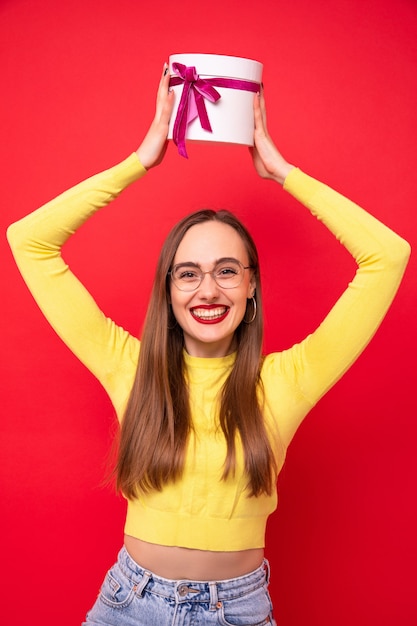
{"points": [[228, 273]]}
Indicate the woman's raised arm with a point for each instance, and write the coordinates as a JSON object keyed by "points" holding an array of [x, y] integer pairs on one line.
{"points": [[36, 242], [311, 367]]}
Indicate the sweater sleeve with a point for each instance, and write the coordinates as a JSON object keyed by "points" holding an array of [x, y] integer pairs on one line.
{"points": [[36, 241], [313, 366]]}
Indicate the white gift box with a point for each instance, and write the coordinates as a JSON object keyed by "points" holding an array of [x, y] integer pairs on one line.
{"points": [[231, 116]]}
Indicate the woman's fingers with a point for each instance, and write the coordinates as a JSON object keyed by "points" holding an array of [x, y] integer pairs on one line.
{"points": [[260, 112], [268, 161], [165, 98], [153, 147]]}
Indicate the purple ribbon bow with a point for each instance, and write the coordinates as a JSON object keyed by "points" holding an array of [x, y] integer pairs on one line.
{"points": [[192, 103]]}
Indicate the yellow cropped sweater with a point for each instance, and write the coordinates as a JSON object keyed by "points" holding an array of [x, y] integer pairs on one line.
{"points": [[202, 511]]}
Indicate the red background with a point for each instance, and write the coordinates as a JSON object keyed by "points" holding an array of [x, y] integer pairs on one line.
{"points": [[77, 93]]}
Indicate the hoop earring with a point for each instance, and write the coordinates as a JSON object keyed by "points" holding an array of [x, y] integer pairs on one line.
{"points": [[252, 319]]}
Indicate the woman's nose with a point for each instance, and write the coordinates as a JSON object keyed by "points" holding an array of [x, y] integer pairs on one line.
{"points": [[208, 287]]}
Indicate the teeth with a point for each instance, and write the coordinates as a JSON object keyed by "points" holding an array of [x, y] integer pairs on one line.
{"points": [[209, 314]]}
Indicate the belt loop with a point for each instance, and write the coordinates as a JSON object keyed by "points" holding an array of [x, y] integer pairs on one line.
{"points": [[139, 588], [267, 571], [213, 596]]}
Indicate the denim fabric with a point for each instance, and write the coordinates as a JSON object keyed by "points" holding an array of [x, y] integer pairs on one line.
{"points": [[133, 596]]}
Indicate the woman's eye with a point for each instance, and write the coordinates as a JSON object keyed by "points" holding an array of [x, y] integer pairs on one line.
{"points": [[188, 275], [227, 271]]}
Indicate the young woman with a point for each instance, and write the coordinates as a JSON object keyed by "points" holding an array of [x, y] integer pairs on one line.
{"points": [[205, 417]]}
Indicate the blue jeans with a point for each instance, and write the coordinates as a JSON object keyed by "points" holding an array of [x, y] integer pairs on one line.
{"points": [[133, 596]]}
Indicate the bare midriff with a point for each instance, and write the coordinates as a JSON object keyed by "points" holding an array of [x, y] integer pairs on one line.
{"points": [[178, 563]]}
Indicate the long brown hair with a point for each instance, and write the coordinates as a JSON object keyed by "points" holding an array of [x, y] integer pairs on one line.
{"points": [[157, 421]]}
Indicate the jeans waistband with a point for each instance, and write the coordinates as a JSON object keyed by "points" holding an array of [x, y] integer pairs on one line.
{"points": [[187, 590]]}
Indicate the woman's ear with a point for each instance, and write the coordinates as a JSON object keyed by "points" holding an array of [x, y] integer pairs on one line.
{"points": [[252, 287]]}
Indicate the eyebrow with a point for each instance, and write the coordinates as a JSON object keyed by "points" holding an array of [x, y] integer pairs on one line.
{"points": [[225, 259]]}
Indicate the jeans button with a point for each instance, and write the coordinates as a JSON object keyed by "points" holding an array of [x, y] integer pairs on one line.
{"points": [[182, 590]]}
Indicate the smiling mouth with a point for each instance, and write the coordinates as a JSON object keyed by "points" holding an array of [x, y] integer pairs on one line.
{"points": [[211, 315]]}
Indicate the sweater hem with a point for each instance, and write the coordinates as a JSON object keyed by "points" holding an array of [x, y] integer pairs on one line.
{"points": [[195, 532]]}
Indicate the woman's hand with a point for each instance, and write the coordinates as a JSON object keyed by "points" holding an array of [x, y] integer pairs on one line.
{"points": [[268, 161], [152, 149]]}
